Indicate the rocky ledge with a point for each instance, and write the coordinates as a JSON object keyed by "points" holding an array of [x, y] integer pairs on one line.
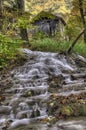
{"points": [[65, 106]]}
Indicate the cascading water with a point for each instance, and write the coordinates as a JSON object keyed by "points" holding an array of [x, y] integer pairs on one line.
{"points": [[26, 101]]}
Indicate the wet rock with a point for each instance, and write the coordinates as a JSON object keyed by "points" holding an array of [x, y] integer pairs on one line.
{"points": [[5, 110], [18, 123], [21, 115], [75, 86], [56, 82], [6, 124], [2, 98], [80, 63], [6, 83], [35, 113], [77, 123], [31, 103], [23, 106], [29, 93], [59, 80], [34, 92], [79, 60], [52, 120], [78, 75]]}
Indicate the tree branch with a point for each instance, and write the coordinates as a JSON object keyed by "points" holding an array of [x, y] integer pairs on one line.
{"points": [[75, 41]]}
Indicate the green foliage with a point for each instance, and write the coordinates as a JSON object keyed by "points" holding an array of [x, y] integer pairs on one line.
{"points": [[24, 20], [80, 48], [39, 35], [8, 49], [52, 45], [49, 44], [42, 15], [67, 110], [73, 27]]}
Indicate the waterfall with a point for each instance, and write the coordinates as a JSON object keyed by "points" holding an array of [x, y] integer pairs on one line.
{"points": [[26, 100]]}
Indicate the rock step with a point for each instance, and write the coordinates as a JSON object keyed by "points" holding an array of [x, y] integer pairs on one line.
{"points": [[27, 92], [75, 87], [78, 75], [68, 88]]}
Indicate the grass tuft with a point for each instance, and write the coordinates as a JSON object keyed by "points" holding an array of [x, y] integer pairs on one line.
{"points": [[80, 48], [51, 45]]}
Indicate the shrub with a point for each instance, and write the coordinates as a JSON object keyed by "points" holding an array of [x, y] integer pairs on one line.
{"points": [[49, 44], [8, 49]]}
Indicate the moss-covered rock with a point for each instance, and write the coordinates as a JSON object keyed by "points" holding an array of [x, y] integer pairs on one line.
{"points": [[66, 106], [67, 110]]}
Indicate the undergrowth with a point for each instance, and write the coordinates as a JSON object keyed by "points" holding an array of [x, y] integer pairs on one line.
{"points": [[9, 49], [80, 48], [52, 45], [49, 44]]}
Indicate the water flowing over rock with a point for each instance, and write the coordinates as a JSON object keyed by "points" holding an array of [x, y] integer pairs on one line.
{"points": [[33, 84]]}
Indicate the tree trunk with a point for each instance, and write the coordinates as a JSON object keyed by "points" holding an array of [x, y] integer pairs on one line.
{"points": [[75, 41], [1, 7], [23, 34], [82, 17], [20, 9], [1, 15]]}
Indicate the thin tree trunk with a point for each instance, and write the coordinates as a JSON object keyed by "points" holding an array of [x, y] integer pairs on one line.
{"points": [[23, 31], [1, 7], [82, 17], [1, 15], [74, 42]]}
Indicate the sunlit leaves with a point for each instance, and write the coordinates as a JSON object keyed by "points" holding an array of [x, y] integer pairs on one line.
{"points": [[56, 6]]}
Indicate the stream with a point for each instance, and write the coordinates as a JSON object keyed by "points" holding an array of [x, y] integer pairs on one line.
{"points": [[25, 106]]}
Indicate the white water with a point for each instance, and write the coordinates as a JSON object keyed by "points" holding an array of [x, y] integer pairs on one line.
{"points": [[30, 90]]}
